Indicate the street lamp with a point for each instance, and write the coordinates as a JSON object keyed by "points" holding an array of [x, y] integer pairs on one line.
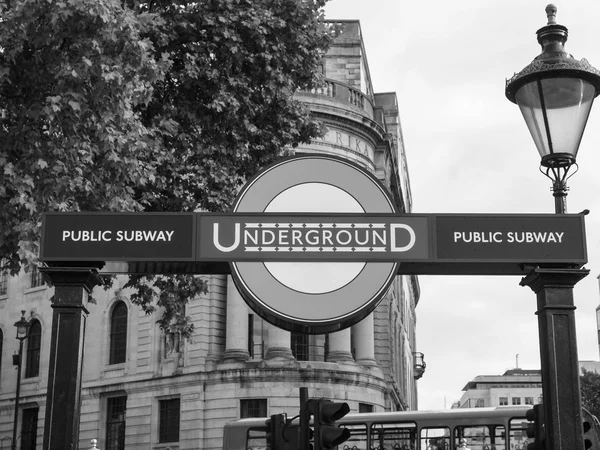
{"points": [[555, 93], [22, 329]]}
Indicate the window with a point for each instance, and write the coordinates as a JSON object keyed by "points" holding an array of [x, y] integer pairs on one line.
{"points": [[251, 335], [503, 401], [29, 429], [386, 435], [34, 344], [257, 438], [518, 433], [529, 400], [435, 438], [481, 437], [115, 422], [37, 278], [3, 283], [118, 334], [253, 407], [168, 427], [300, 348], [1, 344], [479, 403], [365, 408], [516, 400]]}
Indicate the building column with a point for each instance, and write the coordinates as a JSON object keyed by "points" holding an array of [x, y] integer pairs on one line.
{"points": [[236, 328], [215, 330], [278, 343], [339, 347], [364, 341]]}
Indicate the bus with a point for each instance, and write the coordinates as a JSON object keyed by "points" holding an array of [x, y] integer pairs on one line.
{"points": [[491, 428]]}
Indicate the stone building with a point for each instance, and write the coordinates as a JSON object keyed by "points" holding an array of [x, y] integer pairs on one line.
{"points": [[147, 389], [514, 387]]}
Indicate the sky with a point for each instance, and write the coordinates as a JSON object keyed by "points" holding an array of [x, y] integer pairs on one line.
{"points": [[469, 151]]}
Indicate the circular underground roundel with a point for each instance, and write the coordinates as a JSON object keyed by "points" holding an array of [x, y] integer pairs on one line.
{"points": [[313, 297]]}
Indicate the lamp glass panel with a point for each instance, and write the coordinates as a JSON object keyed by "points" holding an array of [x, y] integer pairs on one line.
{"points": [[22, 329], [567, 103]]}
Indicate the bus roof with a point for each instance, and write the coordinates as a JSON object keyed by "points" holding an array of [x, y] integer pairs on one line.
{"points": [[395, 416]]}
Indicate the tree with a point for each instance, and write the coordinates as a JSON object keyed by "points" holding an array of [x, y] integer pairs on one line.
{"points": [[165, 105], [590, 391]]}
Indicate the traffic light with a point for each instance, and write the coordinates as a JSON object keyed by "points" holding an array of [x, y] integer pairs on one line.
{"points": [[275, 427], [327, 434], [306, 431], [279, 435], [537, 429], [591, 430]]}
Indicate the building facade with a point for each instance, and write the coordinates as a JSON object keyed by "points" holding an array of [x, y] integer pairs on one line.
{"points": [[514, 387], [144, 388]]}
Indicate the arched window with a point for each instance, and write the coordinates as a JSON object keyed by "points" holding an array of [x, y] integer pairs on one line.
{"points": [[34, 345], [118, 334]]}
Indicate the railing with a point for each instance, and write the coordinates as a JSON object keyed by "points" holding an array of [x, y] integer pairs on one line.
{"points": [[345, 94], [328, 89], [258, 351], [307, 352], [357, 98]]}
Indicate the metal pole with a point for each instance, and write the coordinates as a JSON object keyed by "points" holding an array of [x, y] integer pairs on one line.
{"points": [[16, 421], [558, 354], [72, 286], [304, 419], [559, 190]]}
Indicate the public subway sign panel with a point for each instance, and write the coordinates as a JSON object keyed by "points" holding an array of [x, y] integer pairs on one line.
{"points": [[313, 243]]}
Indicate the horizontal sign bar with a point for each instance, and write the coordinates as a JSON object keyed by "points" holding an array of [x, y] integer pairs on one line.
{"points": [[414, 239]]}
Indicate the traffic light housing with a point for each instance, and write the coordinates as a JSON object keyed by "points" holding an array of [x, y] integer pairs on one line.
{"points": [[537, 429], [275, 425], [591, 430], [327, 434], [279, 435]]}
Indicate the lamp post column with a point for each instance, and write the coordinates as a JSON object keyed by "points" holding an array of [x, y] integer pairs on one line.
{"points": [[559, 190], [554, 86], [558, 354], [17, 397], [72, 289], [22, 330]]}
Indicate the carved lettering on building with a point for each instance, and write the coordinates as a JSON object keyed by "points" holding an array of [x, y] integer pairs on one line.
{"points": [[348, 141]]}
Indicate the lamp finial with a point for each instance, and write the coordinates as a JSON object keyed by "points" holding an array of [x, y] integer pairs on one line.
{"points": [[551, 13]]}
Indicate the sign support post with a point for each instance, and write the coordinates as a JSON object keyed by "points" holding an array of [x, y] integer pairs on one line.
{"points": [[558, 353], [63, 402]]}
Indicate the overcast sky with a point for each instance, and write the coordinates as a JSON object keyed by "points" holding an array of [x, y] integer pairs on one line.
{"points": [[469, 151]]}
